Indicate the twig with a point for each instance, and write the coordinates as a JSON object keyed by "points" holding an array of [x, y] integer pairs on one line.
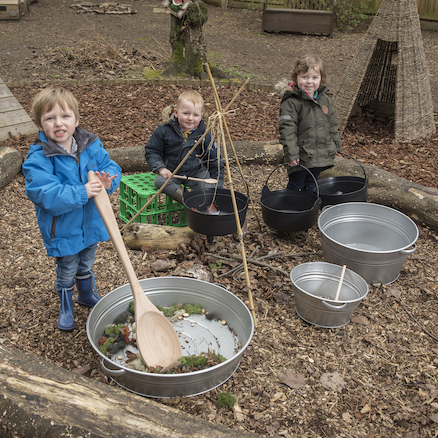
{"points": [[421, 326], [162, 48], [258, 259], [253, 261], [258, 263], [240, 266]]}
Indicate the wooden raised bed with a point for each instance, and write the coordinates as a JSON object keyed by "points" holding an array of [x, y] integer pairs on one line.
{"points": [[305, 16]]}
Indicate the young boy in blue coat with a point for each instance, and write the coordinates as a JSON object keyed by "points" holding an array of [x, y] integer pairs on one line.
{"points": [[172, 140], [56, 169]]}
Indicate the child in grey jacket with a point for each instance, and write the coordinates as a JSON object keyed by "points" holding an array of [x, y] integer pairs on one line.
{"points": [[308, 127]]}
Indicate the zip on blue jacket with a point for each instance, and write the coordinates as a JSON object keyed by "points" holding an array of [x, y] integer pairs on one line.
{"points": [[55, 182]]}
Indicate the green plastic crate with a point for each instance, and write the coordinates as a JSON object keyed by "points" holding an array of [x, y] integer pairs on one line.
{"points": [[135, 192]]}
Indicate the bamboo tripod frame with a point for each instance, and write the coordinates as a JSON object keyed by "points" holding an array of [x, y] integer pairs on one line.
{"points": [[222, 125]]}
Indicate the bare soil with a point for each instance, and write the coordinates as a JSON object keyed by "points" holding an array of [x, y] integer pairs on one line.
{"points": [[386, 357], [54, 42]]}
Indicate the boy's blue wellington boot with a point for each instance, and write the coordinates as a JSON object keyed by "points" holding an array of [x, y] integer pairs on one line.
{"points": [[87, 294], [66, 320]]}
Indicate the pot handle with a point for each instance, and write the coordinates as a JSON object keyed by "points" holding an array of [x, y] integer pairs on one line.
{"points": [[409, 251], [332, 307], [235, 168], [300, 165], [110, 372], [363, 169]]}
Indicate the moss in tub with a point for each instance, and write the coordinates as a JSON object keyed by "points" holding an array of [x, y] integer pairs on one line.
{"points": [[188, 308], [113, 340], [116, 337]]}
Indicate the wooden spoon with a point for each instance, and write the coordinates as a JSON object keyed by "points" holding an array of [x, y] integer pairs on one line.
{"points": [[340, 283], [157, 340], [206, 180]]}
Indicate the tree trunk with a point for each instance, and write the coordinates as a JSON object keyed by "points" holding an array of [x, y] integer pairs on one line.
{"points": [[137, 236], [41, 400], [187, 40]]}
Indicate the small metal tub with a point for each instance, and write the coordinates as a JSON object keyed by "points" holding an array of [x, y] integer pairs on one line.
{"points": [[371, 239], [315, 285], [166, 291]]}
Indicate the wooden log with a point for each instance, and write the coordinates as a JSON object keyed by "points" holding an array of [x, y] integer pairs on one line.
{"points": [[138, 236], [131, 159], [41, 400], [10, 165], [417, 201]]}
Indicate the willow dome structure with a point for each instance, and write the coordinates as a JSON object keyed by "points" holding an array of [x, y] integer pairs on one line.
{"points": [[390, 66]]}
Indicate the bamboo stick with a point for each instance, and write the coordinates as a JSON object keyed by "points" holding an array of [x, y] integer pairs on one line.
{"points": [[233, 196]]}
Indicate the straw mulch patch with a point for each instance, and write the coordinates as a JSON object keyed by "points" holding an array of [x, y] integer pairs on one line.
{"points": [[374, 377]]}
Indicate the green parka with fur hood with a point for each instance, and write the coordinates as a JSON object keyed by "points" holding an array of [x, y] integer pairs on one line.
{"points": [[308, 127]]}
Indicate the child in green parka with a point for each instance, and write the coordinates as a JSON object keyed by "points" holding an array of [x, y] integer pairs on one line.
{"points": [[308, 127]]}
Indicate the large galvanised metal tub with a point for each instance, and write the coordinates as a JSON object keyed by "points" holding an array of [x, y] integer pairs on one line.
{"points": [[230, 341], [370, 239]]}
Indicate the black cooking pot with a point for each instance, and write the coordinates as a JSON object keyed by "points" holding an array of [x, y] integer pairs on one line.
{"points": [[196, 203], [339, 189], [289, 210]]}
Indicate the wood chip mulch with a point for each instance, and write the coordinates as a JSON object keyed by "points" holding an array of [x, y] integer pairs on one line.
{"points": [[376, 376]]}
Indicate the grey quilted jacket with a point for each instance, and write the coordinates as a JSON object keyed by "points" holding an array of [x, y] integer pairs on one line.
{"points": [[308, 128]]}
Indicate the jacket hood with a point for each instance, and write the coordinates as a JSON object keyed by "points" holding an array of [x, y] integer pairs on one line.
{"points": [[167, 113], [282, 86], [50, 148]]}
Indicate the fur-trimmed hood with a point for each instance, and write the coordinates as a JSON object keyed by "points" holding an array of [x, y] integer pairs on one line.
{"points": [[282, 86], [167, 113]]}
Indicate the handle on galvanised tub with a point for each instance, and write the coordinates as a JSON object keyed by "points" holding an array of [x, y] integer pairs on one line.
{"points": [[363, 169], [286, 164], [408, 251], [332, 307], [110, 372]]}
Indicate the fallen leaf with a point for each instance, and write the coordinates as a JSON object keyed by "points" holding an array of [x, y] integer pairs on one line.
{"points": [[281, 298], [394, 291], [365, 409], [293, 380], [161, 265], [360, 319], [332, 381], [237, 411], [347, 417]]}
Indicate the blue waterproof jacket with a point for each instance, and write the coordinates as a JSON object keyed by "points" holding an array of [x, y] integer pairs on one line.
{"points": [[55, 182], [167, 147]]}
